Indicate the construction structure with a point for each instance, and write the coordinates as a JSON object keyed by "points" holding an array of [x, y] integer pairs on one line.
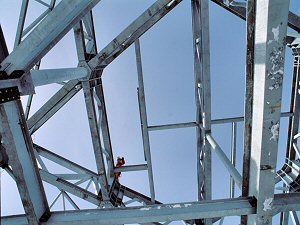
{"points": [[267, 24]]}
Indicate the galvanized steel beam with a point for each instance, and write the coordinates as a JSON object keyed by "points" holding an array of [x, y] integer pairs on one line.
{"points": [[63, 161], [143, 117], [164, 212], [104, 128], [18, 146], [172, 126], [250, 19], [229, 166], [269, 52], [73, 189], [201, 46], [58, 100], [49, 76], [148, 214], [233, 156], [95, 135], [131, 168]]}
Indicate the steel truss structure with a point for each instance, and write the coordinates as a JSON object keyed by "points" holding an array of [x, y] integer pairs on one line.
{"points": [[267, 22]]}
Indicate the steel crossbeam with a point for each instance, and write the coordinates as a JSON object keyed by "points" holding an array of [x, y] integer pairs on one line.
{"points": [[48, 76], [164, 212]]}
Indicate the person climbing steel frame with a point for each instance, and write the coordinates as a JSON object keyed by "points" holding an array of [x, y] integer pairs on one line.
{"points": [[120, 162]]}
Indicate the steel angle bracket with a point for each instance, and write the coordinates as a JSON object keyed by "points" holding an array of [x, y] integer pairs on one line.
{"points": [[9, 94]]}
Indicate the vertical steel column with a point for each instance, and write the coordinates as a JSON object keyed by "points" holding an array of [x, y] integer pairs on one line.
{"points": [[91, 45], [201, 44], [250, 19], [18, 145], [143, 114], [104, 128], [269, 51], [83, 55], [92, 117], [79, 41], [233, 157]]}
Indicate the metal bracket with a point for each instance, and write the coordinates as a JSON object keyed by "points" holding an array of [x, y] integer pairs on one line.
{"points": [[9, 94], [13, 85]]}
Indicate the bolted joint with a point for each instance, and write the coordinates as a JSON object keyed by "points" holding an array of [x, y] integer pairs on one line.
{"points": [[88, 68]]}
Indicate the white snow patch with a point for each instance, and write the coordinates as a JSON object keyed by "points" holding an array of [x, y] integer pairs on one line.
{"points": [[275, 131], [268, 204], [145, 209], [271, 88], [177, 206], [187, 205], [276, 33]]}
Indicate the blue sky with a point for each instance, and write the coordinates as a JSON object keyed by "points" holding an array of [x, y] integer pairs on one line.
{"points": [[168, 76]]}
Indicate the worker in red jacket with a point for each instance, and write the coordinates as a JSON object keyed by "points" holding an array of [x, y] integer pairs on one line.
{"points": [[120, 162]]}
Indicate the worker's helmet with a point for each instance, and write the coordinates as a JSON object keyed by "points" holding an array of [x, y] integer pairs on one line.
{"points": [[121, 159]]}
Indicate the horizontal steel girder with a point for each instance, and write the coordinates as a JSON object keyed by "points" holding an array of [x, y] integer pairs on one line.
{"points": [[165, 212], [48, 76]]}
